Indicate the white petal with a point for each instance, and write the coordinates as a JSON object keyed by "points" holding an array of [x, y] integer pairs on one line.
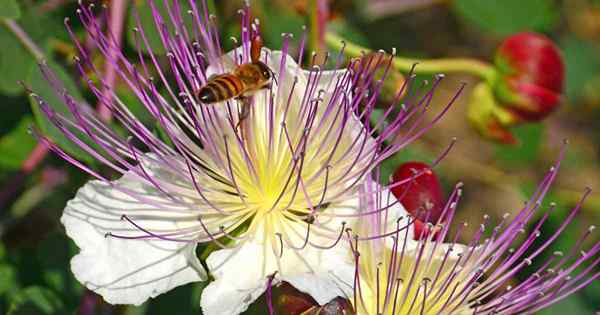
{"points": [[333, 278], [124, 271], [238, 279], [328, 78], [241, 274]]}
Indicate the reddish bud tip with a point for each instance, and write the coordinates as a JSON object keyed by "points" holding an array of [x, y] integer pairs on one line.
{"points": [[422, 196], [531, 73], [288, 300], [500, 133], [490, 118]]}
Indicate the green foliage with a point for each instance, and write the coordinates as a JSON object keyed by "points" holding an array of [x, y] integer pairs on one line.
{"points": [[41, 87], [16, 145], [277, 21], [348, 30], [9, 9], [526, 151], [187, 294], [571, 305], [508, 16], [15, 63], [36, 300], [143, 10], [8, 279], [582, 64]]}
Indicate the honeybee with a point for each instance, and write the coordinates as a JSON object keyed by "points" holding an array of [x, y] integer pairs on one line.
{"points": [[245, 80]]}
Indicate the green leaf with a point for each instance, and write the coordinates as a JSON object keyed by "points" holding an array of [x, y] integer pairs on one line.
{"points": [[144, 11], [35, 300], [508, 16], [134, 104], [526, 152], [349, 32], [16, 145], [15, 63], [173, 300], [8, 278], [41, 87], [582, 64], [9, 9], [277, 21]]}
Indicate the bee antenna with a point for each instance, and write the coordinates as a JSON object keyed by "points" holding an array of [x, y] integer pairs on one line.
{"points": [[273, 76]]}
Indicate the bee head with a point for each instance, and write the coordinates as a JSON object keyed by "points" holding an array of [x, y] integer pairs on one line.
{"points": [[265, 71]]}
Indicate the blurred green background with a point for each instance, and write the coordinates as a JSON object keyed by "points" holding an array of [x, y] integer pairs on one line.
{"points": [[34, 187]]}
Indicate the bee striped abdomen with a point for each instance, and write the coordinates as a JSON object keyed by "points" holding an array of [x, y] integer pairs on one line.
{"points": [[220, 88]]}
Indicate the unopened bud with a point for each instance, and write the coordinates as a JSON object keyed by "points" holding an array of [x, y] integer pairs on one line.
{"points": [[488, 117], [421, 196], [531, 74]]}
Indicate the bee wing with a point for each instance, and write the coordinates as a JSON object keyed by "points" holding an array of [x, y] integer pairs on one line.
{"points": [[224, 64]]}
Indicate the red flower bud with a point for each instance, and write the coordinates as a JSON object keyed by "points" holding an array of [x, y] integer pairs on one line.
{"points": [[291, 301], [423, 230], [421, 197], [488, 117], [531, 74]]}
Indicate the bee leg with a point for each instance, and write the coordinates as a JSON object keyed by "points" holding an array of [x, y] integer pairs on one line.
{"points": [[245, 111]]}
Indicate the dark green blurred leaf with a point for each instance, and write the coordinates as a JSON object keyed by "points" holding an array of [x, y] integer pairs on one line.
{"points": [[54, 255], [16, 145], [525, 153], [508, 16], [582, 63], [15, 63], [35, 299], [172, 300], [42, 88], [134, 105], [148, 25], [8, 279], [43, 27], [277, 21], [349, 32], [9, 9], [136, 310]]}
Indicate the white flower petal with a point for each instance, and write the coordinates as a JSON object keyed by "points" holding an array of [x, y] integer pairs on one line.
{"points": [[328, 78], [125, 271], [223, 298], [334, 278], [238, 280], [241, 274]]}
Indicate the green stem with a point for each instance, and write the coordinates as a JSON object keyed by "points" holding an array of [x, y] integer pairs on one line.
{"points": [[22, 36], [481, 69]]}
